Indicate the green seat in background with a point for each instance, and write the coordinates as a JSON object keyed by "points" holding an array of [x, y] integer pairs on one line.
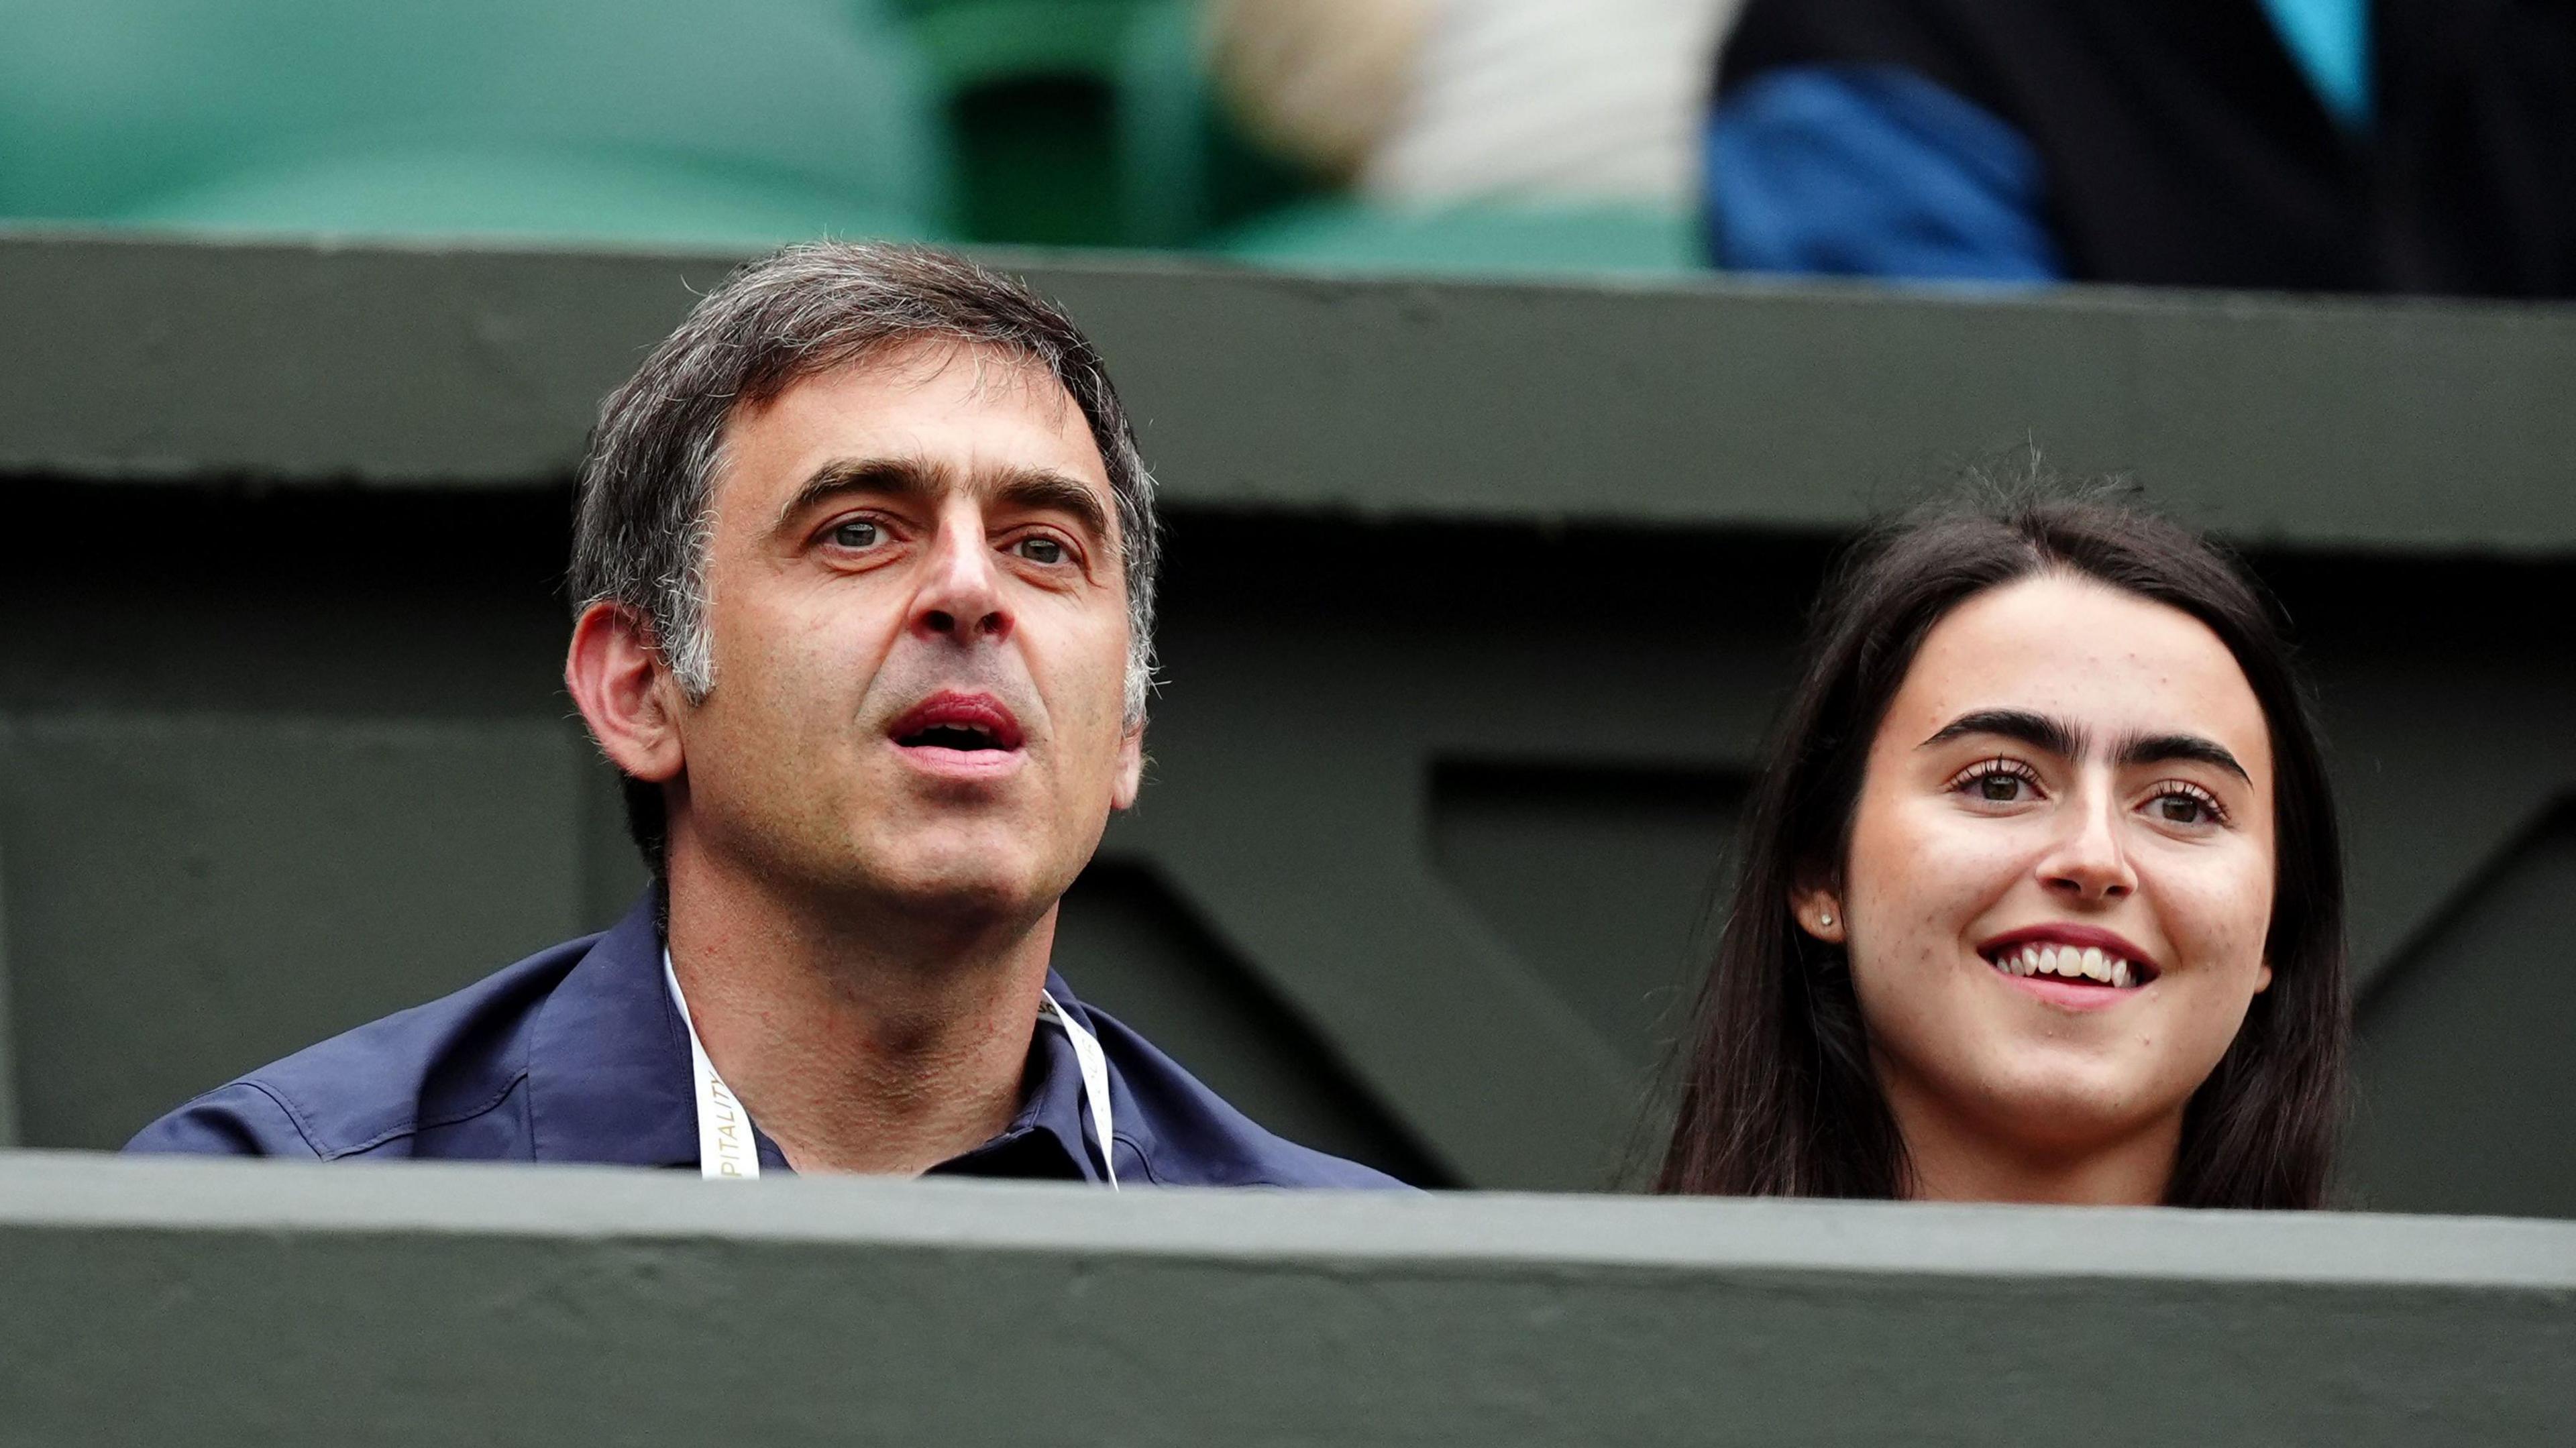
{"points": [[1089, 122], [424, 191], [737, 122], [1034, 93], [971, 42], [1187, 170]]}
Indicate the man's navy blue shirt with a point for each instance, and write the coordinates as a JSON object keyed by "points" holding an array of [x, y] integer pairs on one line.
{"points": [[578, 1054]]}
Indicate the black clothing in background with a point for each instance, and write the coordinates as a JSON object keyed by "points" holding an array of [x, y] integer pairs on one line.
{"points": [[2182, 144]]}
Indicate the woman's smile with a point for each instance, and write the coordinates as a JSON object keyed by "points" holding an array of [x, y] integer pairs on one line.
{"points": [[2070, 966]]}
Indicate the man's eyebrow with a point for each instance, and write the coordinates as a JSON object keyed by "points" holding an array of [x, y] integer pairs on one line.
{"points": [[1056, 492], [2166, 748], [875, 477], [2036, 730]]}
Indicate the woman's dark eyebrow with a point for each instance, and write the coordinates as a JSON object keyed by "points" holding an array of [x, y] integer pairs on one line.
{"points": [[2036, 730], [2067, 742], [2166, 748]]}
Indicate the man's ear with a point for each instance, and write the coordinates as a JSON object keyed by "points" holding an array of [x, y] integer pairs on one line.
{"points": [[1131, 768], [625, 694], [1820, 913]]}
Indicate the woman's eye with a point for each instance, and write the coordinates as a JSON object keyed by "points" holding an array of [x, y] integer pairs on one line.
{"points": [[1997, 781], [857, 533], [1039, 550], [2181, 808]]}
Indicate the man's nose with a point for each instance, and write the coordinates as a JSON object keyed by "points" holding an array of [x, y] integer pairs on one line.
{"points": [[2089, 861], [961, 593]]}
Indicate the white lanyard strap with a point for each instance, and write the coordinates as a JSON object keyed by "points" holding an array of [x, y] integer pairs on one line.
{"points": [[727, 1150], [1095, 1078]]}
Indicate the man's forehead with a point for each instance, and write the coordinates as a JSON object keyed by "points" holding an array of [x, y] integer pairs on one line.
{"points": [[930, 371], [968, 413]]}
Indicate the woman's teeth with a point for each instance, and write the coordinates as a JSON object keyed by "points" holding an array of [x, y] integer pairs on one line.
{"points": [[2069, 963]]}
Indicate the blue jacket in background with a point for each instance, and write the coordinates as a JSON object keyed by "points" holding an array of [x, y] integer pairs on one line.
{"points": [[577, 1054], [2412, 146]]}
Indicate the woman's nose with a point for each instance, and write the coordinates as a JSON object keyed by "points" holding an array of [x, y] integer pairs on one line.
{"points": [[2088, 861]]}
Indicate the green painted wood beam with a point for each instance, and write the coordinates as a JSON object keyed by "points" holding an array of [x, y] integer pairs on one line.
{"points": [[9, 1052], [2327, 424], [218, 1303]]}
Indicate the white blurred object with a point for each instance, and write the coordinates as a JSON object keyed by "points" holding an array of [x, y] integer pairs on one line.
{"points": [[1321, 82], [1437, 102], [1554, 101]]}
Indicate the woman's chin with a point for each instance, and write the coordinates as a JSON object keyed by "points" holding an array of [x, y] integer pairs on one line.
{"points": [[2074, 1108]]}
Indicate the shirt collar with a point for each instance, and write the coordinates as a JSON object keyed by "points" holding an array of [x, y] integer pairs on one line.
{"points": [[1046, 1136], [610, 1080], [608, 1063]]}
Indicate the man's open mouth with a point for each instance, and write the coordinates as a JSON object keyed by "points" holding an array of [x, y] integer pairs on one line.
{"points": [[951, 736], [966, 723], [2105, 964]]}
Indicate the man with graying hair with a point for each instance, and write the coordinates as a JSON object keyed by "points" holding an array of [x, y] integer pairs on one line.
{"points": [[865, 558]]}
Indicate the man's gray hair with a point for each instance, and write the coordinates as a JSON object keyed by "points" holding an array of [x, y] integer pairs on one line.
{"points": [[640, 529], [641, 525]]}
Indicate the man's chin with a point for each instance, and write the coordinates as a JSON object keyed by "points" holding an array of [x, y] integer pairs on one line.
{"points": [[973, 871], [964, 880]]}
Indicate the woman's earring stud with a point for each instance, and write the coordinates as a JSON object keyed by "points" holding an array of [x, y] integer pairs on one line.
{"points": [[1826, 920]]}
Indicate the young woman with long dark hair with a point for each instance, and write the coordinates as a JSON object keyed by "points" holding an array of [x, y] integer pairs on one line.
{"points": [[2041, 897]]}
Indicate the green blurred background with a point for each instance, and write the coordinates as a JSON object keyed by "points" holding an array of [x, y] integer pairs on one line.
{"points": [[1090, 123]]}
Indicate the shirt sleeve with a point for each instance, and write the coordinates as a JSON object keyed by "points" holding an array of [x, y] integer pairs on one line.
{"points": [[236, 1120], [1873, 170]]}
